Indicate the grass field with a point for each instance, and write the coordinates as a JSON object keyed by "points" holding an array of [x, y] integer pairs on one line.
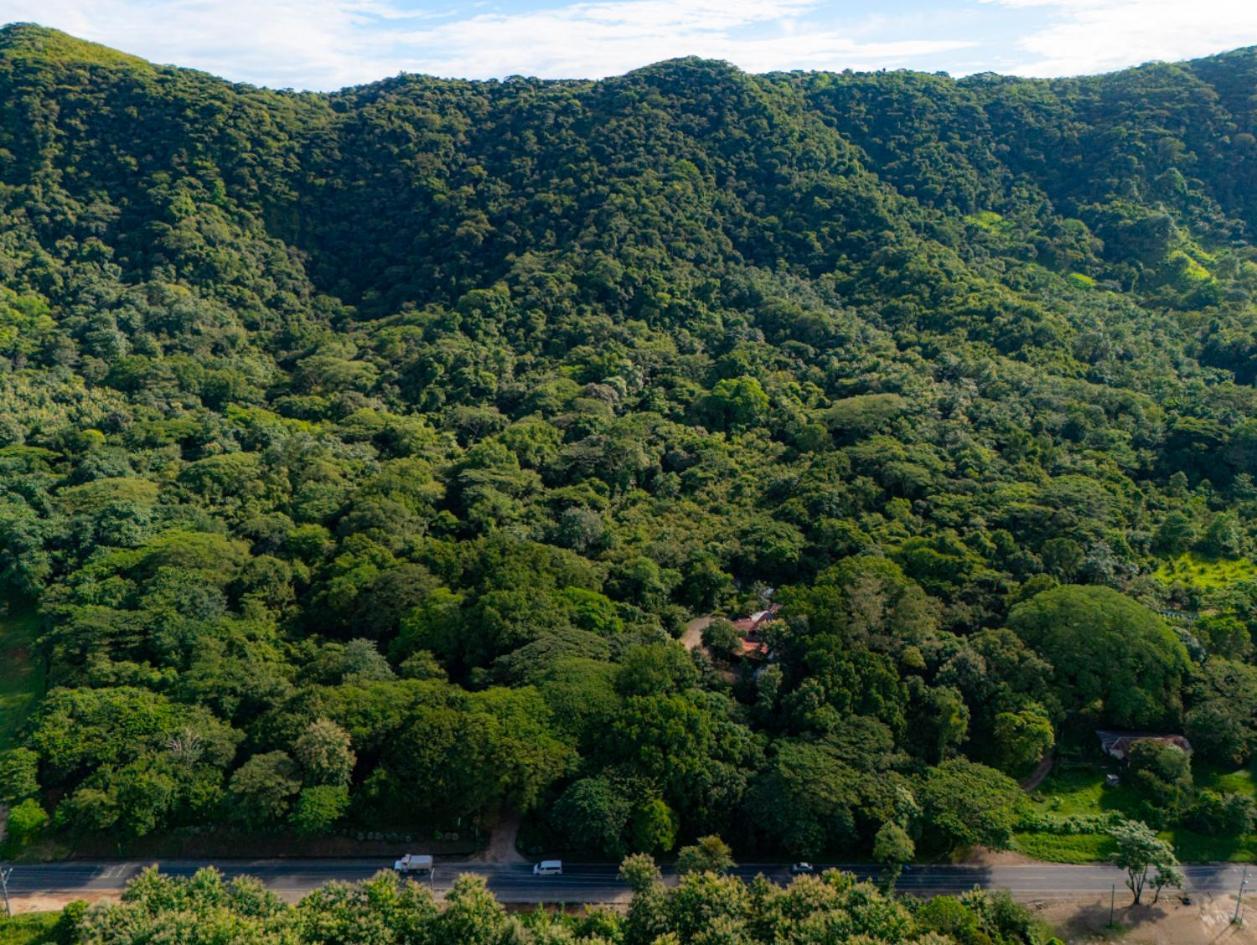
{"points": [[21, 676], [1078, 848], [1195, 570], [1079, 791]]}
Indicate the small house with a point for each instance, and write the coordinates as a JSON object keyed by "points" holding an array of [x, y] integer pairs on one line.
{"points": [[1117, 744], [749, 628]]}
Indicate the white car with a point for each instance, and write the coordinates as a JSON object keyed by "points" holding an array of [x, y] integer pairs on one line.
{"points": [[548, 868]]}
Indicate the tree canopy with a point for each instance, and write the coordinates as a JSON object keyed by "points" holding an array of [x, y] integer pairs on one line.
{"points": [[365, 455]]}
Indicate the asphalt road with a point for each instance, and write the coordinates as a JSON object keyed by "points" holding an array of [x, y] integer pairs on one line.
{"points": [[589, 882]]}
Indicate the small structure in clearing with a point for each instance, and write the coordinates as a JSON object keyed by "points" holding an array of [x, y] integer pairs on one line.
{"points": [[1118, 744], [750, 628]]}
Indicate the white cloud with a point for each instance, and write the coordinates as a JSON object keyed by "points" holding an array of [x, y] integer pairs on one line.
{"points": [[1086, 36], [331, 43], [603, 38], [276, 42]]}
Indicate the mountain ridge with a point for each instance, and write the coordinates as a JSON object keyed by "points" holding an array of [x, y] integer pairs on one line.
{"points": [[389, 436]]}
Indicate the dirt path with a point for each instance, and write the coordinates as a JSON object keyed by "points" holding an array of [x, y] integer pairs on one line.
{"points": [[501, 846], [1036, 776], [692, 638]]}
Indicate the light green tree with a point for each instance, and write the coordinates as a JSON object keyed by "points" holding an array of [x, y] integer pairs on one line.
{"points": [[1140, 851]]}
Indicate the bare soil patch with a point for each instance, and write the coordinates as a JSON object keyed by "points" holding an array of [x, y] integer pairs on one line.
{"points": [[1206, 920]]}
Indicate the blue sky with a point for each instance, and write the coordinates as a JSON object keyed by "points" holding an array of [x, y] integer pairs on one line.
{"points": [[326, 44]]}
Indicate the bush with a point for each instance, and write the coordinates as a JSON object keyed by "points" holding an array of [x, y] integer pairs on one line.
{"points": [[1071, 826], [26, 820], [1221, 815], [319, 807], [19, 775]]}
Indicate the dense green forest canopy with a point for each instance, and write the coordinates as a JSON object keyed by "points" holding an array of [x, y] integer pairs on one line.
{"points": [[387, 438]]}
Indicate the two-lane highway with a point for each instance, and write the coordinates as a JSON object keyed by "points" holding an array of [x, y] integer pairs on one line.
{"points": [[592, 882]]}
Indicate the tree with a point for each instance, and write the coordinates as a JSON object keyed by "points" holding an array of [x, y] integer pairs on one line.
{"points": [[1223, 538], [1140, 850], [1162, 773], [964, 803], [1222, 815], [653, 827], [639, 871], [1175, 534], [1022, 738], [802, 801], [709, 855], [735, 403], [26, 820], [1113, 659], [325, 754], [471, 914], [892, 848], [261, 790], [1167, 874], [654, 669], [593, 813], [19, 775], [318, 808], [721, 639]]}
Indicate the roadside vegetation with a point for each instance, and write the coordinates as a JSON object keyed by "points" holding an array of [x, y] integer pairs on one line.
{"points": [[705, 907], [1071, 814], [42, 928]]}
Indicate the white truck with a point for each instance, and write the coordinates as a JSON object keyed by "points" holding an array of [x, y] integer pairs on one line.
{"points": [[414, 863]]}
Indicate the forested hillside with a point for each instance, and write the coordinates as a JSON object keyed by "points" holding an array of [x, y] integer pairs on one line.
{"points": [[364, 454]]}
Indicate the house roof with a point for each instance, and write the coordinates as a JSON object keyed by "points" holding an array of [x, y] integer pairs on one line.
{"points": [[754, 649], [1119, 743]]}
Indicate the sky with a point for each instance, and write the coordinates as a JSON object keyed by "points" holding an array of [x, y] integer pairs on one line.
{"points": [[329, 44]]}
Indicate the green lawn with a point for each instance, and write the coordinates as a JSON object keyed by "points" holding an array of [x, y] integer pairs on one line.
{"points": [[1241, 781], [21, 675], [1079, 791], [1079, 848], [33, 929], [1195, 570]]}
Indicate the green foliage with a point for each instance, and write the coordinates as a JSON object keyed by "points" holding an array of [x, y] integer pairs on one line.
{"points": [[594, 813], [892, 850], [709, 855], [325, 754], [1023, 738], [966, 804], [388, 910], [19, 775], [26, 820], [35, 928], [395, 434], [319, 807], [262, 789], [21, 675], [1113, 658], [1162, 774], [1139, 852]]}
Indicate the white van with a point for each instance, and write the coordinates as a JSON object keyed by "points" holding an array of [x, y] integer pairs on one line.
{"points": [[548, 868]]}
